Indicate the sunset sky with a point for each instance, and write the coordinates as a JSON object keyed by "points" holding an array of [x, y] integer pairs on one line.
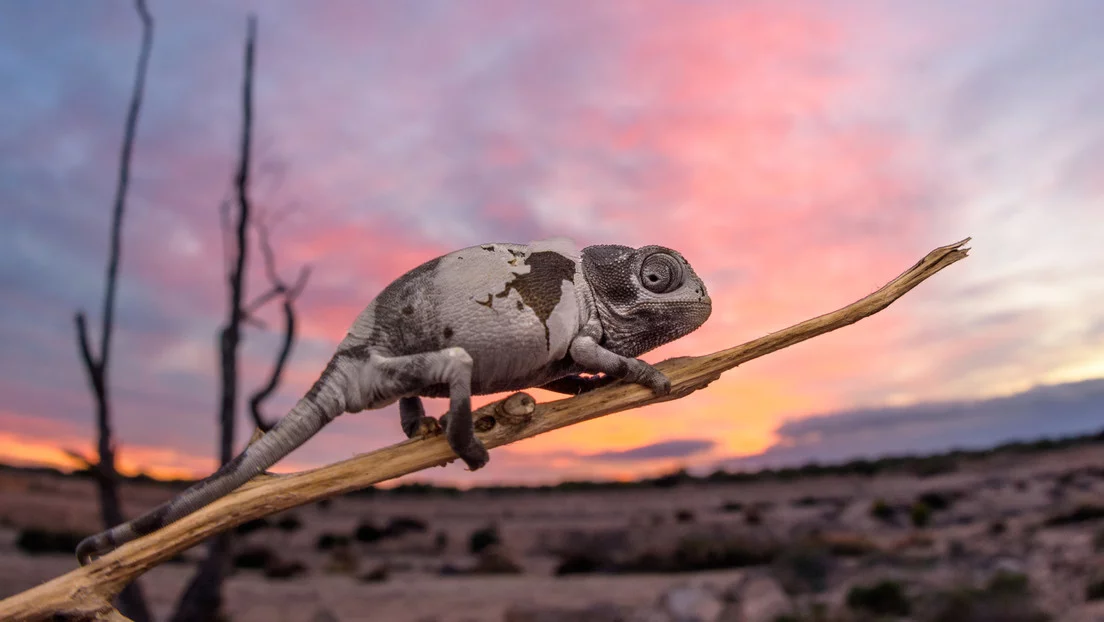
{"points": [[799, 154]]}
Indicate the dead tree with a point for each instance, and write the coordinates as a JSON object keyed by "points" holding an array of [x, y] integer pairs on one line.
{"points": [[202, 599], [288, 295], [131, 601]]}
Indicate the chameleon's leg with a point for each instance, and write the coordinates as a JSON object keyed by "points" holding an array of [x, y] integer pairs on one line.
{"points": [[404, 375], [594, 358], [414, 420], [575, 384]]}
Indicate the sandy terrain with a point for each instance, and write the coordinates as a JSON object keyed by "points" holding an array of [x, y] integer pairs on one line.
{"points": [[721, 551]]}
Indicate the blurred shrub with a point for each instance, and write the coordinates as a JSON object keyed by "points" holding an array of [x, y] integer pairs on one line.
{"points": [[254, 558], [35, 541], [937, 501], [327, 541], [257, 524], [483, 538], [284, 570], [920, 514], [402, 525], [882, 511], [289, 523], [1082, 513], [886, 598], [367, 532]]}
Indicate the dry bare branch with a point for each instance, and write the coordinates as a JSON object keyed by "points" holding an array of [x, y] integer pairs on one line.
{"points": [[202, 597], [87, 590], [288, 307], [96, 366]]}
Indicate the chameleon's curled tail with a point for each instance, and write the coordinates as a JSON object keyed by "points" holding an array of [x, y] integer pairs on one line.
{"points": [[305, 419]]}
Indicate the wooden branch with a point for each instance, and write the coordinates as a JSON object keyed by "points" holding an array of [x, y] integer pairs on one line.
{"points": [[87, 590]]}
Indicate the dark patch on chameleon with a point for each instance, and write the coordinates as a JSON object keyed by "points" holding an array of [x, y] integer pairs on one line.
{"points": [[222, 471], [359, 352], [331, 367], [540, 288], [448, 332], [149, 523], [487, 303], [408, 310], [488, 247], [521, 305], [394, 330]]}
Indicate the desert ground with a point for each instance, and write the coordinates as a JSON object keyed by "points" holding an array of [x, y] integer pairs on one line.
{"points": [[1006, 536]]}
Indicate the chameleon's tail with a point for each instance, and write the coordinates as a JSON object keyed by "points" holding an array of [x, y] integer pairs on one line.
{"points": [[322, 404]]}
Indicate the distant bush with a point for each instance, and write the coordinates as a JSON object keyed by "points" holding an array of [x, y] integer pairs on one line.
{"points": [[1007, 598], [931, 466], [701, 552], [937, 501], [1082, 513], [483, 538], [254, 558], [1009, 583], [882, 511], [289, 523], [402, 525], [257, 524], [1098, 541], [804, 568], [284, 570], [920, 514], [848, 544], [579, 563], [493, 560], [34, 541], [440, 542], [684, 516], [732, 506], [378, 574], [805, 502], [327, 541], [367, 532], [1095, 589], [753, 516], [886, 598], [997, 527]]}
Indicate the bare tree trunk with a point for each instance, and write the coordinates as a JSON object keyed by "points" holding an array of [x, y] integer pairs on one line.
{"points": [[130, 601], [202, 600]]}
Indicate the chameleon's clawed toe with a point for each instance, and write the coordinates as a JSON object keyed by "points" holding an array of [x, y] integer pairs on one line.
{"points": [[660, 384], [427, 427], [475, 456]]}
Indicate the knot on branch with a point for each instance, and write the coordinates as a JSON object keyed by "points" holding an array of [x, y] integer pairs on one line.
{"points": [[514, 411]]}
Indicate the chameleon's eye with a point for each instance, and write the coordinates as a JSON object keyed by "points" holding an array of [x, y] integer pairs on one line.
{"points": [[661, 273]]}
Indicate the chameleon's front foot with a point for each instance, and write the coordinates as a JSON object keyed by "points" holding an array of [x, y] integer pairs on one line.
{"points": [[645, 374]]}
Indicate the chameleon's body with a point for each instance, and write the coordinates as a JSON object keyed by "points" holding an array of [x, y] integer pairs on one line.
{"points": [[484, 319]]}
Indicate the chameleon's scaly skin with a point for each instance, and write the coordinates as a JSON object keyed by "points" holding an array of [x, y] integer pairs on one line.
{"points": [[485, 319]]}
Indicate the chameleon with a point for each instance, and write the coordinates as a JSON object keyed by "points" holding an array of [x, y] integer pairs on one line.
{"points": [[484, 319]]}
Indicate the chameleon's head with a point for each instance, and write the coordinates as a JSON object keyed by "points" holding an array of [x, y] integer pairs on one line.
{"points": [[645, 297]]}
